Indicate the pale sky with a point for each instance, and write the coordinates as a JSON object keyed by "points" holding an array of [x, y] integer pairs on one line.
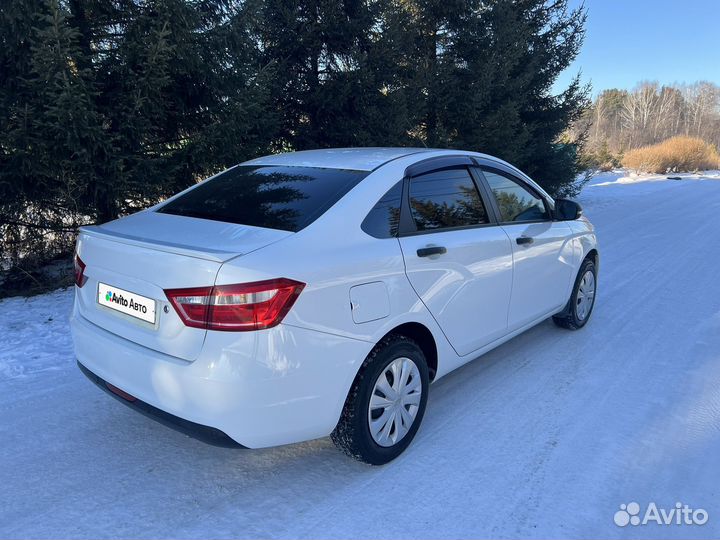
{"points": [[628, 41]]}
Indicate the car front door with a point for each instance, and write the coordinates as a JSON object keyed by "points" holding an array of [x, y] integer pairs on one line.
{"points": [[543, 257], [456, 257]]}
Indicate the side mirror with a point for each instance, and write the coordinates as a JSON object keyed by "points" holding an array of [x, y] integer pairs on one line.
{"points": [[567, 210]]}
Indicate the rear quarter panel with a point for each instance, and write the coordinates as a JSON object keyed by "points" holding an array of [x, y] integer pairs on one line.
{"points": [[333, 255]]}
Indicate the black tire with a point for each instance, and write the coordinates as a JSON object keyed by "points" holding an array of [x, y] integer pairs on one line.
{"points": [[568, 317], [352, 434]]}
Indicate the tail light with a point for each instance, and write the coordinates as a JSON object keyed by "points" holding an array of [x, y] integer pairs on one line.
{"points": [[242, 307], [80, 278]]}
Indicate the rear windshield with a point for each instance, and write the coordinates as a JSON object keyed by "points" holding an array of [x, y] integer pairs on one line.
{"points": [[286, 198]]}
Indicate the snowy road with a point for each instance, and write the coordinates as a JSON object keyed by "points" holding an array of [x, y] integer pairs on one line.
{"points": [[544, 437]]}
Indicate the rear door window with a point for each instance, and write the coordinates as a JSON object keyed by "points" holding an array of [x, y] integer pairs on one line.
{"points": [[446, 199], [285, 198]]}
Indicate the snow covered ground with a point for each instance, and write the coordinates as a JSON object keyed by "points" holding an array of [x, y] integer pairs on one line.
{"points": [[544, 437]]}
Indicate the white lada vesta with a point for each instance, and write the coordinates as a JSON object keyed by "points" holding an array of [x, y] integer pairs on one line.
{"points": [[319, 293]]}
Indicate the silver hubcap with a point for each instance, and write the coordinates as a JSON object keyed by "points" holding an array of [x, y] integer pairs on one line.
{"points": [[585, 295], [394, 402]]}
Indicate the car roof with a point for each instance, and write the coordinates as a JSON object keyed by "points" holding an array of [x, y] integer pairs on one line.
{"points": [[359, 159], [369, 159]]}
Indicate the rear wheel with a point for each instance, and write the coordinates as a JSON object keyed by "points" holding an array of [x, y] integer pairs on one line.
{"points": [[386, 404], [577, 313]]}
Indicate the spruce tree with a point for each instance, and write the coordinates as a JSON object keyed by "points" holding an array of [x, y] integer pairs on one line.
{"points": [[335, 83], [106, 107], [484, 71], [53, 137]]}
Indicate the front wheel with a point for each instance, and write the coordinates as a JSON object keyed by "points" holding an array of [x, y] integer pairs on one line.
{"points": [[577, 312], [386, 404]]}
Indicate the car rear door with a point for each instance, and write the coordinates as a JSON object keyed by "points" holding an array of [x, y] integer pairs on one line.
{"points": [[457, 260], [543, 258]]}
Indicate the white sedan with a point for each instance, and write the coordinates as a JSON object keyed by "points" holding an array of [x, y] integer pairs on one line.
{"points": [[319, 293]]}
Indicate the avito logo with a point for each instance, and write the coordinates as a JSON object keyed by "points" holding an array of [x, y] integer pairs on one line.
{"points": [[116, 298], [682, 514], [128, 303]]}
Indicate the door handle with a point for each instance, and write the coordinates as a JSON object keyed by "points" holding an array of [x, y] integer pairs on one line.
{"points": [[524, 240], [433, 250]]}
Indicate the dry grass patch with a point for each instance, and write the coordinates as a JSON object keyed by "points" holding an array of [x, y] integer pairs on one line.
{"points": [[677, 154]]}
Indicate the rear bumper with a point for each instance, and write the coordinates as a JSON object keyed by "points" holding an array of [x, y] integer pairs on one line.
{"points": [[206, 434], [265, 388]]}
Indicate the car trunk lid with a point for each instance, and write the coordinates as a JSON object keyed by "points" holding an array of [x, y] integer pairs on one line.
{"points": [[147, 253]]}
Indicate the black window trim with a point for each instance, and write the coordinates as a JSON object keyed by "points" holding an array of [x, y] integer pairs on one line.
{"points": [[438, 163], [496, 209], [487, 195]]}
